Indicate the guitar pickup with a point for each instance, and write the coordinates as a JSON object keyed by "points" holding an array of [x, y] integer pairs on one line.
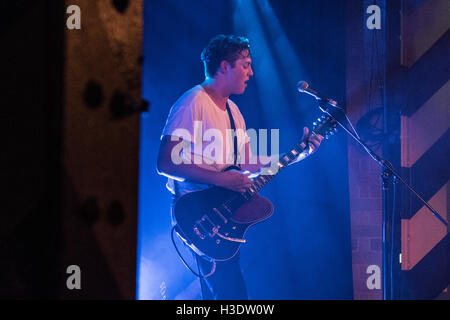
{"points": [[220, 215], [198, 233], [200, 230], [205, 218]]}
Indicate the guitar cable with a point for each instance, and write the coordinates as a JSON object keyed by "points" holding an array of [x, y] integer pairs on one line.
{"points": [[213, 268]]}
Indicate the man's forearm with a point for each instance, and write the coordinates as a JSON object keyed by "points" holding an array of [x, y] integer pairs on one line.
{"points": [[191, 172]]}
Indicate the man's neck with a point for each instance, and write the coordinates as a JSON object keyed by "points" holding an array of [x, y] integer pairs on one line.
{"points": [[216, 91]]}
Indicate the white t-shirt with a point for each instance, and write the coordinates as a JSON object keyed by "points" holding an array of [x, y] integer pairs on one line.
{"points": [[197, 119]]}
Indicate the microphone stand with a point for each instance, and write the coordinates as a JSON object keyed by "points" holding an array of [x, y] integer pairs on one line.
{"points": [[389, 178]]}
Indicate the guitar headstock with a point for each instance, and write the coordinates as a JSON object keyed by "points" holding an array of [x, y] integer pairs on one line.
{"points": [[325, 126]]}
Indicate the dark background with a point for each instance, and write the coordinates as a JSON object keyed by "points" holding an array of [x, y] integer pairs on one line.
{"points": [[30, 114]]}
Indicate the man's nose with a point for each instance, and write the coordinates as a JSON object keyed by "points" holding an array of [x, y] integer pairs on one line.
{"points": [[250, 72]]}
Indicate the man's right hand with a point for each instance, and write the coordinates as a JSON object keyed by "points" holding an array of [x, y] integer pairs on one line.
{"points": [[234, 180]]}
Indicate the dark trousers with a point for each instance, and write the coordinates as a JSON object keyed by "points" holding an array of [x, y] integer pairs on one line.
{"points": [[226, 283]]}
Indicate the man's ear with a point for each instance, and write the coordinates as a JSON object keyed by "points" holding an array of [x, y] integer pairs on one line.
{"points": [[224, 66]]}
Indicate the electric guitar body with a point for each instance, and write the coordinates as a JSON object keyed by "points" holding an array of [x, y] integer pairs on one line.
{"points": [[214, 221]]}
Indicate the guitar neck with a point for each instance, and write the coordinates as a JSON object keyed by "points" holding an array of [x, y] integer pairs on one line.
{"points": [[325, 125], [271, 172]]}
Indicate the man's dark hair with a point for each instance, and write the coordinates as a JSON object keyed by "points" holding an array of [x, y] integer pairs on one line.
{"points": [[223, 47]]}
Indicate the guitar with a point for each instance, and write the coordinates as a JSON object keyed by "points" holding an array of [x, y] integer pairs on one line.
{"points": [[213, 221]]}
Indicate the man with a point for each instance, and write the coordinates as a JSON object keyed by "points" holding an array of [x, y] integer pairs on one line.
{"points": [[207, 106]]}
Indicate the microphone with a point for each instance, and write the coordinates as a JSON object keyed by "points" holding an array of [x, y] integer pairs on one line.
{"points": [[304, 87]]}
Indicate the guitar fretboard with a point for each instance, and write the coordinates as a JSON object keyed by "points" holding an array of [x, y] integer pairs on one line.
{"points": [[269, 173]]}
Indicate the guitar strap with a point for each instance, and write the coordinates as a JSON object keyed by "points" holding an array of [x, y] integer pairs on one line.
{"points": [[233, 127]]}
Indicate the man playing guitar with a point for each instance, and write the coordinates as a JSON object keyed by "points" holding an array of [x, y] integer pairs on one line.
{"points": [[227, 64]]}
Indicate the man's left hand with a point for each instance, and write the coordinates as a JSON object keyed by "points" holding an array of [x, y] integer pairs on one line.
{"points": [[314, 140]]}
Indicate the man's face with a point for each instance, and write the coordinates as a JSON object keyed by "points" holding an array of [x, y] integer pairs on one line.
{"points": [[240, 73]]}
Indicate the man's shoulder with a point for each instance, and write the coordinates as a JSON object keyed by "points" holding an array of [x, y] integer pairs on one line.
{"points": [[191, 97]]}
